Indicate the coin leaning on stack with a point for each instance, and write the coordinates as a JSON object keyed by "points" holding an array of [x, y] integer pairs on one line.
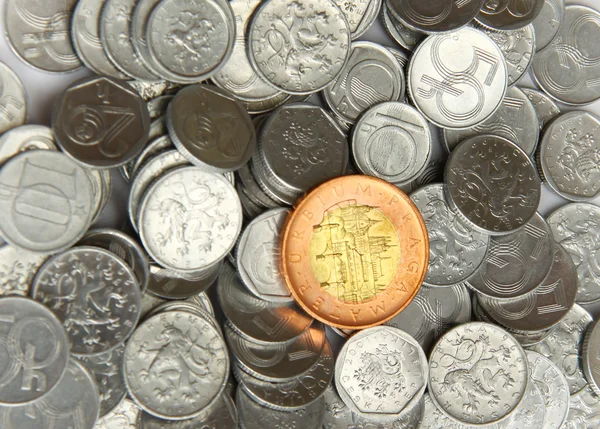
{"points": [[339, 300]]}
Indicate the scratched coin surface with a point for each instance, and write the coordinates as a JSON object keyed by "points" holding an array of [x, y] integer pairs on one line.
{"points": [[13, 99], [94, 294], [457, 80], [544, 106], [569, 69], [24, 138], [548, 22], [163, 381], [577, 227], [126, 415], [493, 184], [510, 14], [464, 357], [570, 156], [456, 250], [438, 16], [381, 370], [299, 47]]}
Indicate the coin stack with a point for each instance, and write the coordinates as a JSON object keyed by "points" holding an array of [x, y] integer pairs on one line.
{"points": [[339, 300]]}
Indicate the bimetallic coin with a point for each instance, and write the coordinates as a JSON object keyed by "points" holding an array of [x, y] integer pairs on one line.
{"points": [[282, 56], [404, 36], [509, 15], [468, 354], [24, 138], [17, 270], [544, 106], [569, 156], [493, 184], [577, 228], [467, 55], [563, 346], [456, 250], [548, 22], [370, 76], [152, 355], [13, 99], [591, 357], [46, 201], [95, 295], [34, 351], [126, 415], [101, 122], [438, 17], [584, 410], [360, 15]]}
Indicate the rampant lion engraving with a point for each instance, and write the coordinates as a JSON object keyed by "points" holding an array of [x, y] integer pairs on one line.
{"points": [[192, 36], [579, 158], [382, 372]]}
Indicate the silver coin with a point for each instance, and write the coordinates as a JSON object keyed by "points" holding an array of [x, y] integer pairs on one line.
{"points": [[591, 357], [97, 191], [17, 270], [253, 190], [437, 17], [568, 69], [548, 22], [167, 381], [563, 346], [298, 62], [493, 184], [433, 312], [531, 412], [124, 247], [34, 350], [13, 99], [404, 36], [250, 208], [155, 88], [402, 59], [157, 107], [444, 59], [455, 249], [85, 33], [370, 76], [101, 122], [155, 147], [264, 106], [158, 128], [254, 416], [211, 129], [202, 300], [434, 418], [516, 120], [190, 219], [94, 293], [509, 15], [554, 389], [584, 410], [360, 14], [24, 138], [46, 199], [467, 357], [170, 284], [107, 370], [139, 32], [150, 302], [544, 106], [115, 35], [374, 374], [256, 319], [258, 253], [38, 32], [126, 415], [577, 228], [569, 156]]}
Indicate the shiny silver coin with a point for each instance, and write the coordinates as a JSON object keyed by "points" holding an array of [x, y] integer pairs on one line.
{"points": [[105, 191], [554, 389], [253, 190], [492, 184], [250, 207], [590, 355], [13, 99], [509, 15], [530, 413], [155, 88], [434, 418], [254, 416], [443, 59], [278, 362], [38, 32], [139, 32], [293, 394], [85, 33], [268, 105], [516, 120], [126, 415], [584, 410], [150, 302], [402, 59], [202, 300], [569, 156], [370, 76], [157, 107], [544, 106], [563, 347], [24, 138], [433, 312], [115, 35], [124, 247], [392, 141], [155, 147], [95, 295], [577, 227], [167, 384], [468, 354], [97, 191], [187, 307], [258, 254], [280, 54], [548, 22], [568, 70], [170, 284], [47, 201], [360, 15], [17, 270], [158, 128], [210, 128], [437, 17], [374, 376], [409, 419], [456, 250], [256, 319], [404, 36], [101, 122], [189, 219], [34, 350], [107, 370], [189, 40]]}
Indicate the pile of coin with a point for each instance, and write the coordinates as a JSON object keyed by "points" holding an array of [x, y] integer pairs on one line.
{"points": [[339, 300]]}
